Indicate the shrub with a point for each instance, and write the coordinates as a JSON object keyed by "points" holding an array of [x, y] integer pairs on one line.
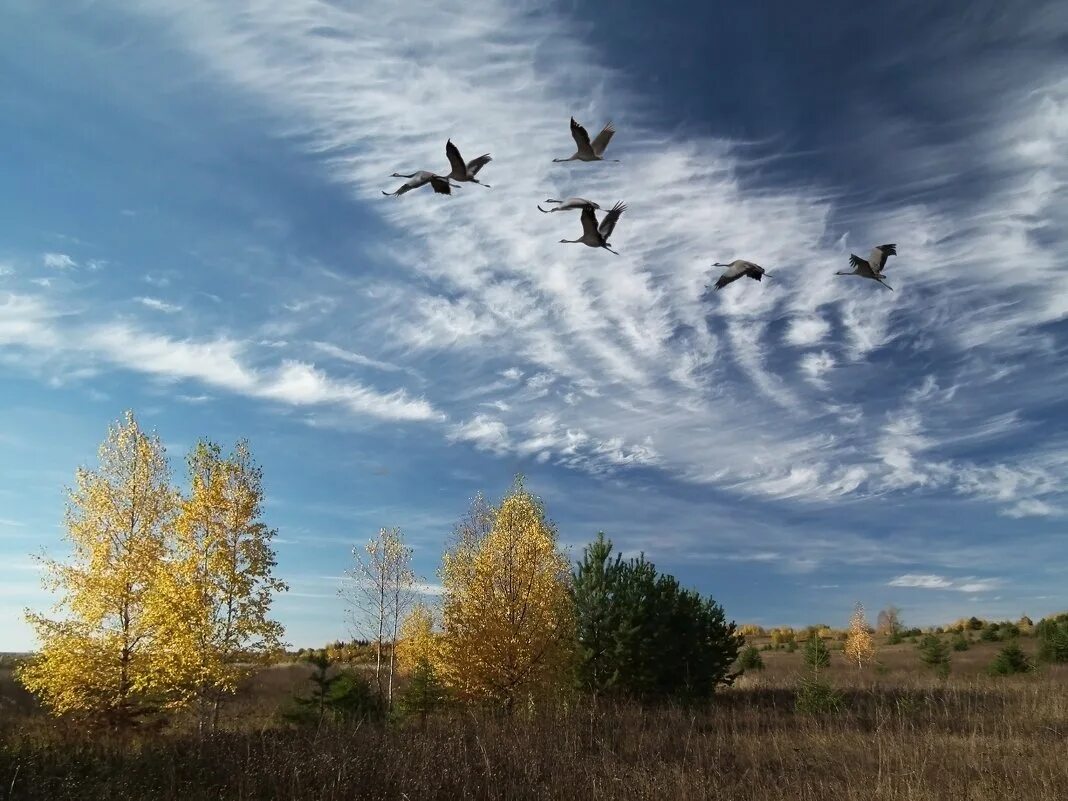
{"points": [[750, 659], [960, 643], [791, 647], [1052, 634], [990, 633], [815, 697], [424, 694], [1010, 660], [344, 695], [935, 654]]}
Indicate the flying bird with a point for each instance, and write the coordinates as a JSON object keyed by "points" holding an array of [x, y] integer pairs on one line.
{"points": [[875, 264], [462, 171], [736, 269], [440, 183], [587, 150], [571, 204], [597, 236]]}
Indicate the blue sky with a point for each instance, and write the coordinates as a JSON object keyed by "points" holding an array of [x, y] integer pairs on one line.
{"points": [[191, 226]]}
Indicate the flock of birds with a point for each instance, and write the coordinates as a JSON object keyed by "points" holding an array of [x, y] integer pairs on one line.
{"points": [[596, 234]]}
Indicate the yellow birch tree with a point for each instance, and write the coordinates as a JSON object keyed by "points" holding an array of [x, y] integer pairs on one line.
{"points": [[219, 584], [417, 641], [97, 658], [507, 616], [859, 645]]}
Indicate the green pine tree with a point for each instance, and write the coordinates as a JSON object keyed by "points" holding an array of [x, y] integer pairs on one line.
{"points": [[816, 653], [424, 694]]}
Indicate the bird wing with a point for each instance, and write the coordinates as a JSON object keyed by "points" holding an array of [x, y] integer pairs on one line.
{"points": [[582, 139], [589, 223], [459, 169], [754, 271], [603, 138], [441, 185], [728, 276], [474, 165], [879, 255], [856, 262], [578, 203], [608, 224]]}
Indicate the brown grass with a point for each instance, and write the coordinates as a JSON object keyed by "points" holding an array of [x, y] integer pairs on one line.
{"points": [[902, 736]]}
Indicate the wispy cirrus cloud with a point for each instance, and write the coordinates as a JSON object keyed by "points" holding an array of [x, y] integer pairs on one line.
{"points": [[223, 363], [639, 368]]}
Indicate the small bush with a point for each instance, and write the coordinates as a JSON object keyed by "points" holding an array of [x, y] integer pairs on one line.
{"points": [[815, 697], [960, 643], [1010, 660], [791, 647], [990, 634], [750, 659], [935, 654]]}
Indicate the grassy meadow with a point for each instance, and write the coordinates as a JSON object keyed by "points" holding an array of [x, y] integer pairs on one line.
{"points": [[901, 733]]}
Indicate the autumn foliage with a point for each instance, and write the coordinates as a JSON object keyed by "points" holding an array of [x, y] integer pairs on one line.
{"points": [[163, 596]]}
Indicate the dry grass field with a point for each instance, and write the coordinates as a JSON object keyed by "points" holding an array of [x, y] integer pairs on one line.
{"points": [[901, 734]]}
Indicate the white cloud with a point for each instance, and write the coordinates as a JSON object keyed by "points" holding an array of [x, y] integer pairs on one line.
{"points": [[927, 582], [934, 582], [353, 358], [223, 363], [631, 346], [159, 305], [59, 261], [807, 330], [815, 365], [1030, 507]]}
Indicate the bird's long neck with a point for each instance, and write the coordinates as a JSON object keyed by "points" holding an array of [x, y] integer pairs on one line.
{"points": [[569, 158], [402, 175], [717, 264], [845, 273]]}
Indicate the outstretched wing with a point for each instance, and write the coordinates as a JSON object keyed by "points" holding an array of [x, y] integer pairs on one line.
{"points": [[608, 224], [603, 138], [589, 223], [459, 169], [441, 185], [582, 139], [754, 271], [879, 254], [856, 262], [474, 165], [727, 277]]}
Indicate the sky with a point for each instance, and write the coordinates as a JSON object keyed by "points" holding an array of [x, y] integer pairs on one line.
{"points": [[192, 227]]}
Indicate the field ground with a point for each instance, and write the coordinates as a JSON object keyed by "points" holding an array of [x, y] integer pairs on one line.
{"points": [[902, 735]]}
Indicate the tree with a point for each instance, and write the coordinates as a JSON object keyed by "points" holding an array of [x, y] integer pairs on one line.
{"points": [[960, 642], [425, 692], [640, 635], [595, 586], [816, 654], [417, 642], [888, 623], [935, 654], [507, 615], [1052, 634], [337, 694], [1010, 660], [381, 593], [97, 659], [860, 646], [219, 582], [750, 659]]}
